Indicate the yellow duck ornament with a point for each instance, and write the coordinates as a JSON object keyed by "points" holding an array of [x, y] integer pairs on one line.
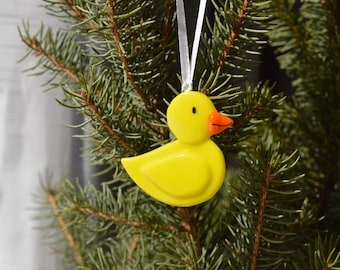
{"points": [[191, 169]]}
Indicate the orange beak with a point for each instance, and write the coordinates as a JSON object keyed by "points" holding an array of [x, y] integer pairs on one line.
{"points": [[218, 122]]}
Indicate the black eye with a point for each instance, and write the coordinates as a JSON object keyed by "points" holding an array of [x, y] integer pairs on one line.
{"points": [[193, 109]]}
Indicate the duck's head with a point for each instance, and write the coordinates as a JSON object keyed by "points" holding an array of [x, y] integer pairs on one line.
{"points": [[193, 118]]}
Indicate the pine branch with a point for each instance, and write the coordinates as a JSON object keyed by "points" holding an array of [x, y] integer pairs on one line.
{"points": [[261, 216], [188, 222], [265, 205], [296, 33], [257, 105], [306, 37], [238, 36], [79, 14], [118, 220], [234, 32], [121, 53], [325, 253], [247, 117], [39, 51], [68, 235], [107, 126], [108, 52]]}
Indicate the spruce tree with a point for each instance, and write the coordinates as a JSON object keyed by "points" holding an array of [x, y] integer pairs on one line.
{"points": [[116, 62]]}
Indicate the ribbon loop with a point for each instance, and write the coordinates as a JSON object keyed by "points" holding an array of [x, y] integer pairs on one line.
{"points": [[187, 65]]}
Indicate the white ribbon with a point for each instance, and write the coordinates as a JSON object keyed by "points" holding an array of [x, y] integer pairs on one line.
{"points": [[187, 65]]}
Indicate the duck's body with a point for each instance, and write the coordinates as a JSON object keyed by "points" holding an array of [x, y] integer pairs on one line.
{"points": [[191, 169], [179, 174]]}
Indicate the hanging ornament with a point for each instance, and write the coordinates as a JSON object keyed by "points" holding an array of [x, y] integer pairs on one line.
{"points": [[191, 169]]}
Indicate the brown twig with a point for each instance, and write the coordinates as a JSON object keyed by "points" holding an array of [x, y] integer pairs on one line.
{"points": [[119, 220], [167, 27], [52, 201], [79, 14], [121, 53], [245, 119], [132, 249], [326, 267], [189, 225], [234, 32], [187, 221], [260, 219], [35, 45], [107, 126]]}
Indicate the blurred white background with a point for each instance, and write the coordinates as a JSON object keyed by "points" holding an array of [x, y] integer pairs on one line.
{"points": [[32, 140]]}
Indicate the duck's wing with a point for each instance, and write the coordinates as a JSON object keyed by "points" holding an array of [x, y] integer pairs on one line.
{"points": [[179, 175]]}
